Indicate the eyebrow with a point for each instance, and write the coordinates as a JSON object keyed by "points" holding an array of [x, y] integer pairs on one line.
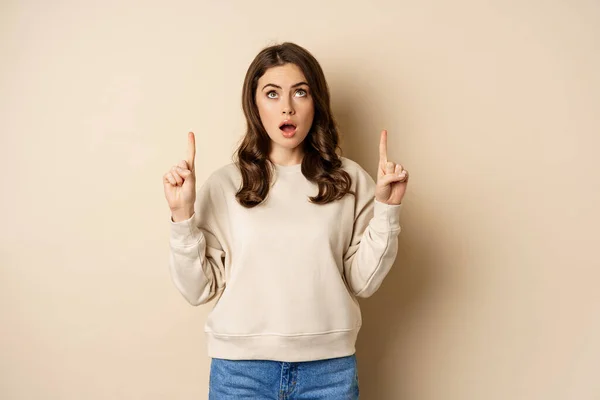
{"points": [[279, 87]]}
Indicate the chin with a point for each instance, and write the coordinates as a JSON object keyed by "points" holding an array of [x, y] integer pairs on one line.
{"points": [[290, 142]]}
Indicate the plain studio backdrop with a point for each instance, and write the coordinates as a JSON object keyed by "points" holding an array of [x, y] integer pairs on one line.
{"points": [[493, 107]]}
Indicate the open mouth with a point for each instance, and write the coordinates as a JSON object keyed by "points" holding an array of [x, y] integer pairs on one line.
{"points": [[287, 127]]}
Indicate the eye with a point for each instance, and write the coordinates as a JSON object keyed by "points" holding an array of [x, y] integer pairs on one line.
{"points": [[303, 92], [271, 92]]}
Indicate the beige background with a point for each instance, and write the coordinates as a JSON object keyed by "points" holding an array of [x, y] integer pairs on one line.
{"points": [[493, 108]]}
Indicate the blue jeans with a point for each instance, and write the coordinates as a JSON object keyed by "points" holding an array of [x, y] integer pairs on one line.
{"points": [[332, 379]]}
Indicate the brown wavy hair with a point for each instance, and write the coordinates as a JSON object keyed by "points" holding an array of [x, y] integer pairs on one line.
{"points": [[321, 164]]}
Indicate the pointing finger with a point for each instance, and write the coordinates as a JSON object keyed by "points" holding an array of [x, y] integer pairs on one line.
{"points": [[191, 154], [383, 148]]}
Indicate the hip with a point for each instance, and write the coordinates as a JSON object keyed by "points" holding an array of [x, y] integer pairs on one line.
{"points": [[332, 379]]}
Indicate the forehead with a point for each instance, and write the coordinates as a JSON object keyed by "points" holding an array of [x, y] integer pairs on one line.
{"points": [[282, 75]]}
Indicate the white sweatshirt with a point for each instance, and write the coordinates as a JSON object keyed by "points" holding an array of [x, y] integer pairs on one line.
{"points": [[286, 272]]}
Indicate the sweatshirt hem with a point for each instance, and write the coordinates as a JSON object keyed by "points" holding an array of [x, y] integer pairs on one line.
{"points": [[285, 348]]}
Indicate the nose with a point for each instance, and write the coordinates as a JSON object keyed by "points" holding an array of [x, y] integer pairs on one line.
{"points": [[287, 107]]}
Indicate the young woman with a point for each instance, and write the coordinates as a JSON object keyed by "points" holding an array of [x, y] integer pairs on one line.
{"points": [[284, 238]]}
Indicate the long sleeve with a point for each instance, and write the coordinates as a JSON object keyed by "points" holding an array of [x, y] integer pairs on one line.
{"points": [[255, 263], [197, 258], [374, 244]]}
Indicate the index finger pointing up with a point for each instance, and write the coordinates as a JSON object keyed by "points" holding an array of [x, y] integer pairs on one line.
{"points": [[191, 153], [383, 147]]}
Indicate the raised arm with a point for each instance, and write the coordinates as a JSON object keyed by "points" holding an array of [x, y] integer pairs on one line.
{"points": [[374, 243], [196, 259]]}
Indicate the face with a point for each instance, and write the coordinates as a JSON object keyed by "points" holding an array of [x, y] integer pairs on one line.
{"points": [[286, 108]]}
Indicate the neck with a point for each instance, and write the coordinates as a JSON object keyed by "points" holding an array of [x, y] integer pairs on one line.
{"points": [[287, 156]]}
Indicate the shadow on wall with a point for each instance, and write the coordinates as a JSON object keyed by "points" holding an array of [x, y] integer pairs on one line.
{"points": [[383, 342]]}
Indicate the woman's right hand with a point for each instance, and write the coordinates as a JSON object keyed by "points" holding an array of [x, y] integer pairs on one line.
{"points": [[180, 184]]}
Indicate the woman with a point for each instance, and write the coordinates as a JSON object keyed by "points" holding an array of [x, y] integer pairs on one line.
{"points": [[284, 238]]}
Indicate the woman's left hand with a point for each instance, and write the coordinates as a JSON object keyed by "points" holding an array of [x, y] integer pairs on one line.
{"points": [[392, 178]]}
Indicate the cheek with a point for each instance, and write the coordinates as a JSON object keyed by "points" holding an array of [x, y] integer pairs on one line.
{"points": [[304, 106], [265, 110], [308, 109]]}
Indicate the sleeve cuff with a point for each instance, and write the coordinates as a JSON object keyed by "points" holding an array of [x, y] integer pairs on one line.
{"points": [[386, 217], [185, 233]]}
